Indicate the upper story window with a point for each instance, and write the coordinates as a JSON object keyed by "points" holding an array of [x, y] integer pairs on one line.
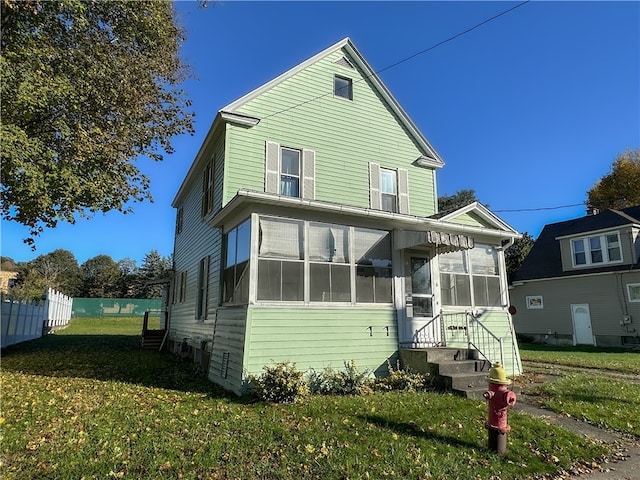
{"points": [[207, 190], [179, 220], [290, 172], [388, 190], [343, 87], [596, 250]]}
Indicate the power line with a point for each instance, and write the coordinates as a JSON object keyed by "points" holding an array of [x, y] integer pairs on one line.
{"points": [[538, 209], [457, 35]]}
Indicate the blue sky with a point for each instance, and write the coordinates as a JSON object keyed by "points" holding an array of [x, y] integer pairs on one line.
{"points": [[529, 110]]}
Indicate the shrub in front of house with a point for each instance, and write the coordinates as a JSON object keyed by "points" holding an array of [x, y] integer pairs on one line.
{"points": [[280, 383], [404, 380], [350, 381]]}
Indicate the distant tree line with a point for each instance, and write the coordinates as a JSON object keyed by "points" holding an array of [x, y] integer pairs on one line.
{"points": [[98, 277]]}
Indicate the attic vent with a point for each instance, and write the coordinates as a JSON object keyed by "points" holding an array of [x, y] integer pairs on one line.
{"points": [[224, 368], [344, 62]]}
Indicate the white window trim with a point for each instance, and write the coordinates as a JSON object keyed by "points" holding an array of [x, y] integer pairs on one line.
{"points": [[535, 302], [629, 296], [351, 82], [375, 187], [587, 250], [273, 170]]}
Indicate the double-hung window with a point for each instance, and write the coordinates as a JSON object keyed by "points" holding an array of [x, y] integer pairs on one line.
{"points": [[290, 173], [596, 250], [388, 190]]}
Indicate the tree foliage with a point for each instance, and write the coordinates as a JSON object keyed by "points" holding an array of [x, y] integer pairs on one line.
{"points": [[86, 87], [621, 187], [457, 200], [98, 277], [515, 255]]}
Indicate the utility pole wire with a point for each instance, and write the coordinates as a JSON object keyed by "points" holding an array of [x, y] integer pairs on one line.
{"points": [[457, 35]]}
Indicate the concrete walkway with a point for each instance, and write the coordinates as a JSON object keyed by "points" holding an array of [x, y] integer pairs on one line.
{"points": [[624, 466]]}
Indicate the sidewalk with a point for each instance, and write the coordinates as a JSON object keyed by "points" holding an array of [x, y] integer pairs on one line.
{"points": [[627, 468]]}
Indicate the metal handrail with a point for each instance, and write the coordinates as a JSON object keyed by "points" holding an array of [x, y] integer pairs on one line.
{"points": [[479, 348], [426, 326]]}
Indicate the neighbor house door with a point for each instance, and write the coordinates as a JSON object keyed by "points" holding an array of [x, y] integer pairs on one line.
{"points": [[420, 330], [582, 332]]}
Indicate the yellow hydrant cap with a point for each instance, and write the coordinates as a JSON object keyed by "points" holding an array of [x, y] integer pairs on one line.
{"points": [[497, 374]]}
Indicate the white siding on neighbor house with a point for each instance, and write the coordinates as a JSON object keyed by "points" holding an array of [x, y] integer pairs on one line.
{"points": [[606, 294], [345, 136], [198, 240]]}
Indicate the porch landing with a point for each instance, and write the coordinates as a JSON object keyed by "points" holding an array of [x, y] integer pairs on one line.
{"points": [[455, 370]]}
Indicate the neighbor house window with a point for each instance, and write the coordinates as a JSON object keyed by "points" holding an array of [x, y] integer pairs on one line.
{"points": [[235, 281], [470, 277], [343, 87], [633, 289], [534, 302], [322, 262], [596, 250], [203, 288], [207, 190]]}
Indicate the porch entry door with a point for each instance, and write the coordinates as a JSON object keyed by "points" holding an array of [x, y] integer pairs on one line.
{"points": [[420, 328], [582, 332]]}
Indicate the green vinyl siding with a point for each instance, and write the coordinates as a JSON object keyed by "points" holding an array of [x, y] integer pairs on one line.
{"points": [[471, 220], [318, 338], [345, 135], [225, 365]]}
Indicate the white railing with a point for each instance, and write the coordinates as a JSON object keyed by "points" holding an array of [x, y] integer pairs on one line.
{"points": [[22, 321]]}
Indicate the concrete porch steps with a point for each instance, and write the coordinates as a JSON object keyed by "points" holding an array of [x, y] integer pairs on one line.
{"points": [[454, 370]]}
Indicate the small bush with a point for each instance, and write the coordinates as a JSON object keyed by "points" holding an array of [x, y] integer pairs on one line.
{"points": [[404, 380], [349, 381], [280, 383]]}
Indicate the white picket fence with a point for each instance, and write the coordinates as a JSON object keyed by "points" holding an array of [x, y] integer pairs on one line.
{"points": [[20, 321]]}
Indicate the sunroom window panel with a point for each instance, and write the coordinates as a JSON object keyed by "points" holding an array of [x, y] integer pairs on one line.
{"points": [[484, 260], [372, 247], [269, 280], [329, 283], [292, 281], [455, 289], [328, 243], [231, 248], [453, 262], [243, 242], [280, 239]]}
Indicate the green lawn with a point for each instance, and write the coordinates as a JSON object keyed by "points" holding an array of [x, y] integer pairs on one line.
{"points": [[79, 404], [608, 397], [614, 359]]}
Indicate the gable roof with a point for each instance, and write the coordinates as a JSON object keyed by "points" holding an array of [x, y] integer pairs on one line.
{"points": [[545, 260], [229, 114], [430, 157], [479, 210]]}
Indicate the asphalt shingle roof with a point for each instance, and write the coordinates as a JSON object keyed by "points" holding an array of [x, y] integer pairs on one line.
{"points": [[544, 259]]}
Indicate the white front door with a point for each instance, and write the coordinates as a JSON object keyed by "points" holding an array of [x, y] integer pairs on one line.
{"points": [[420, 329], [582, 333]]}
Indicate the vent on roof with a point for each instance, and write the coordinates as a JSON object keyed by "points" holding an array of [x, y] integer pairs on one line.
{"points": [[344, 62]]}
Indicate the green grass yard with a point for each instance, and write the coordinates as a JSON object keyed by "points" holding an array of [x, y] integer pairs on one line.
{"points": [[87, 403]]}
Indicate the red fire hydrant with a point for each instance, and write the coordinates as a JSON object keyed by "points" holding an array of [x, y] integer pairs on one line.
{"points": [[500, 399]]}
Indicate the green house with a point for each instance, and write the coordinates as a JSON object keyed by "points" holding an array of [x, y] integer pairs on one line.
{"points": [[308, 231]]}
